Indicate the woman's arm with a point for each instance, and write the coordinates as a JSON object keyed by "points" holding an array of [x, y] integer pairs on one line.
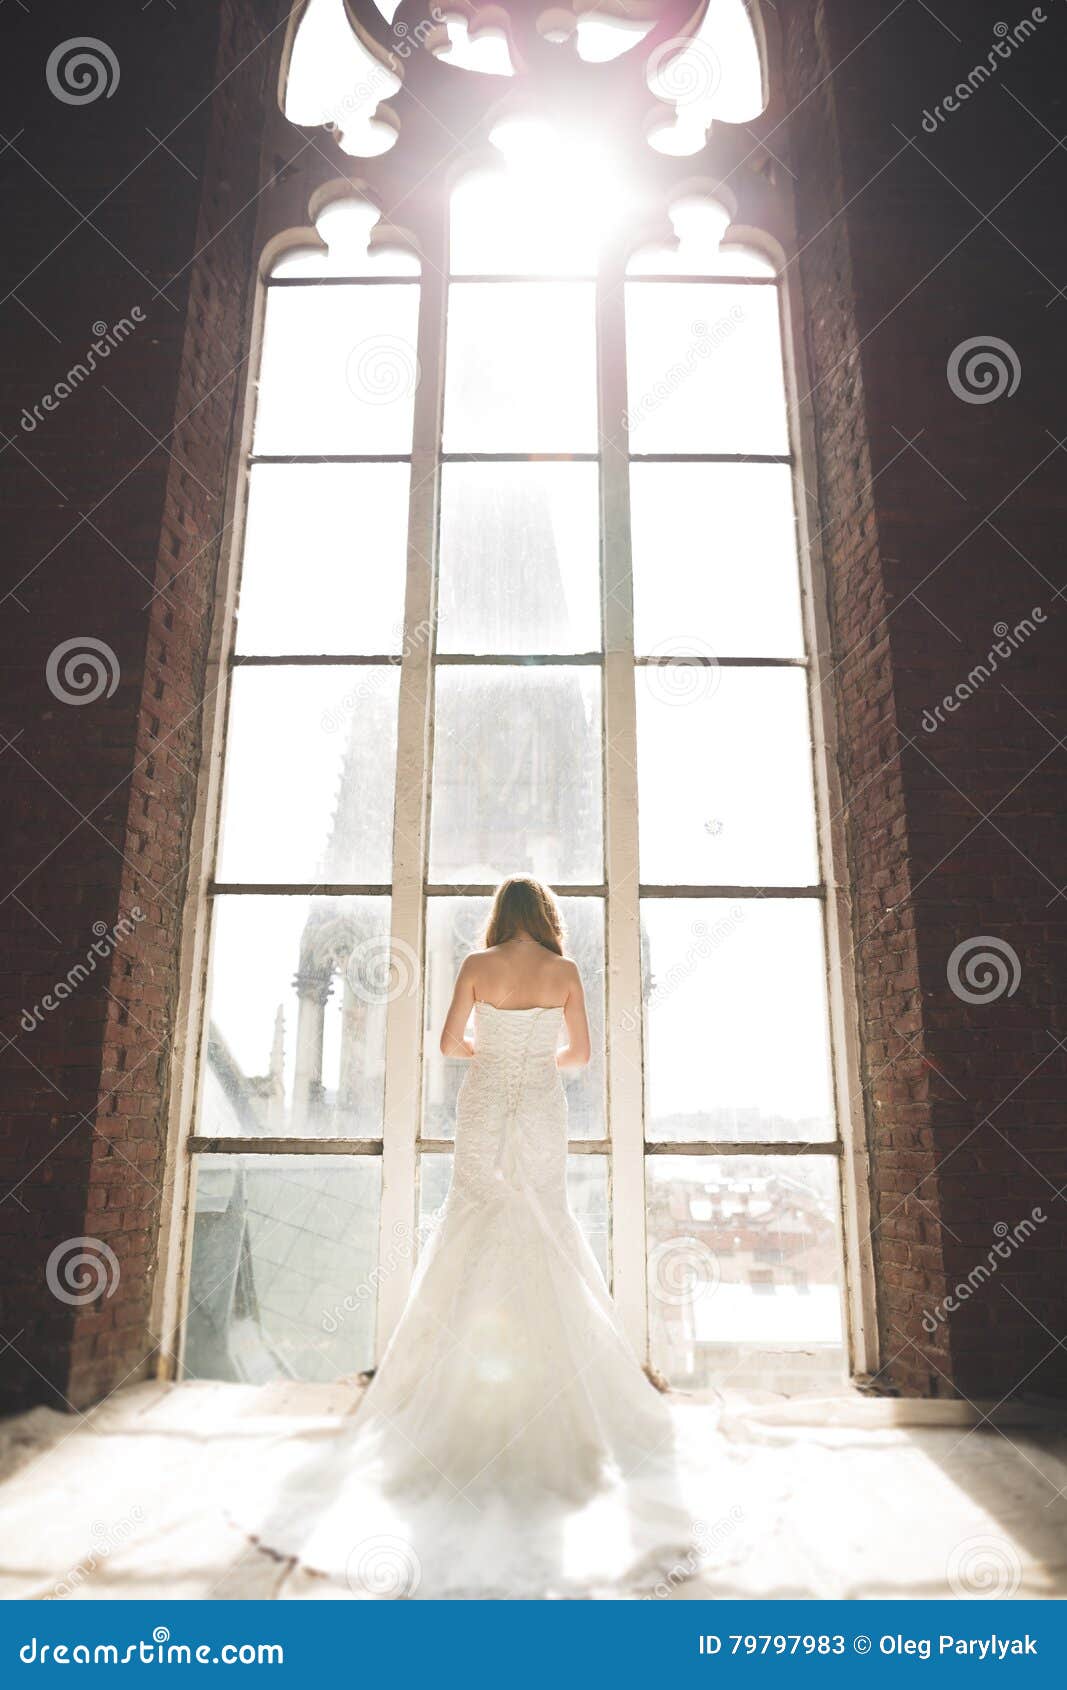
{"points": [[453, 1042], [576, 1052]]}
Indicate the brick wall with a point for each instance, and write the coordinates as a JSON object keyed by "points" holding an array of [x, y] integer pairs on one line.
{"points": [[112, 527], [940, 519], [943, 525]]}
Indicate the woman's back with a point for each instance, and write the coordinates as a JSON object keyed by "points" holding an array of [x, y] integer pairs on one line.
{"points": [[521, 968], [521, 974]]}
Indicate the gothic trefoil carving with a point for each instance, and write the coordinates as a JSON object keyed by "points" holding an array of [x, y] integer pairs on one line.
{"points": [[418, 105]]}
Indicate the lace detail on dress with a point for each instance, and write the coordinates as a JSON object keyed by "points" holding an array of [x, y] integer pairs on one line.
{"points": [[511, 1113], [509, 1441]]}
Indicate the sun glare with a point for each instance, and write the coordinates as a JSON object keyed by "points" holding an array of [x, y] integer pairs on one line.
{"points": [[565, 191]]}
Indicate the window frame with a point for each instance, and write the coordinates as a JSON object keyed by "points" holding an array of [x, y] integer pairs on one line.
{"points": [[401, 1146]]}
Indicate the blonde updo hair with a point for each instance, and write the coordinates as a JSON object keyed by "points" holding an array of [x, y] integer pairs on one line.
{"points": [[523, 905]]}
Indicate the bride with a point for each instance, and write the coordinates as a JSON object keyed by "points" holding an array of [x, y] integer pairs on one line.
{"points": [[510, 1444]]}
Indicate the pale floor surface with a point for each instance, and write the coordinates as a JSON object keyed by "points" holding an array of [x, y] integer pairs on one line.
{"points": [[847, 1496]]}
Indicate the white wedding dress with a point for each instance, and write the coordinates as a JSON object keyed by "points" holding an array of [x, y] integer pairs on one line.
{"points": [[509, 1445]]}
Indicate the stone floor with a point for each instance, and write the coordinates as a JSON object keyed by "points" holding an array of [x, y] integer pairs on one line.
{"points": [[844, 1496]]}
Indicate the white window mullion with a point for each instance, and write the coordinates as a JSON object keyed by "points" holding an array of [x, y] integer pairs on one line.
{"points": [[623, 1016], [403, 1046]]}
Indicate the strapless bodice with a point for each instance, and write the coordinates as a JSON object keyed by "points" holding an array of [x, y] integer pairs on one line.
{"points": [[510, 1035], [511, 1113]]}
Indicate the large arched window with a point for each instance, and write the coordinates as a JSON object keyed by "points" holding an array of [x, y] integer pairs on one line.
{"points": [[519, 591]]}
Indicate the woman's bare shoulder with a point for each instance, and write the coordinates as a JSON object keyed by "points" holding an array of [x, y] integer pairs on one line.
{"points": [[474, 962]]}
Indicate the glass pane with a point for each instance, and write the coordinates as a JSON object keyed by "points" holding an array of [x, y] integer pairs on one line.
{"points": [[587, 1192], [704, 365], [455, 926], [588, 1195], [324, 559], [725, 776], [717, 75], [517, 781], [715, 560], [334, 78], [601, 37], [296, 1017], [282, 1279], [744, 1272], [310, 768], [521, 221], [339, 370], [486, 52], [520, 558], [520, 372], [435, 1177], [736, 1027]]}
